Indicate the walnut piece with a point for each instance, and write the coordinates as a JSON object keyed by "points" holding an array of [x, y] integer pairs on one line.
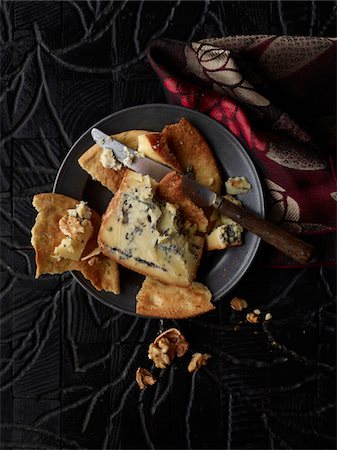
{"points": [[238, 304], [166, 346], [198, 360], [70, 226], [144, 378], [252, 317]]}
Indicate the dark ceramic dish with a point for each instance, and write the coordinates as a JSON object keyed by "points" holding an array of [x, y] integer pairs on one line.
{"points": [[219, 270]]}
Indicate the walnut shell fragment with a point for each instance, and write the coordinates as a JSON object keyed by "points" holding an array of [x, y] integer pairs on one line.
{"points": [[198, 360], [144, 378], [166, 346], [238, 304]]}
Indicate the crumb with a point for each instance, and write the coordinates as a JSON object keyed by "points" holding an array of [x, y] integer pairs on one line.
{"points": [[252, 318]]}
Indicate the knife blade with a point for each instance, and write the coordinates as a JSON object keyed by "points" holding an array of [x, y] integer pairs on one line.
{"points": [[130, 158], [204, 197]]}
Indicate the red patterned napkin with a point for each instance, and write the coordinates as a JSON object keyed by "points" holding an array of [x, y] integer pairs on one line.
{"points": [[277, 94]]}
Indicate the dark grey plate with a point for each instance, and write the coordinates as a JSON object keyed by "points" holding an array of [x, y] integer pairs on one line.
{"points": [[219, 270]]}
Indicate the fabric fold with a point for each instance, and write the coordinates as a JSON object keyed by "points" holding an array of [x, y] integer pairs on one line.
{"points": [[276, 94]]}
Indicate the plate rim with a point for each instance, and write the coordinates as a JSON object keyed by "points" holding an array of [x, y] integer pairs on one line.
{"points": [[79, 277]]}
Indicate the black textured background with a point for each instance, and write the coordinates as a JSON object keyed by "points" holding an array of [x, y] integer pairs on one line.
{"points": [[68, 362]]}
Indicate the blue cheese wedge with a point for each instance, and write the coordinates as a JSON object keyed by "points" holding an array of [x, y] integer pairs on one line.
{"points": [[237, 185], [147, 235], [78, 229]]}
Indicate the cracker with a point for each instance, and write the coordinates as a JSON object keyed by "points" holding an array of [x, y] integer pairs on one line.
{"points": [[103, 273], [90, 162], [193, 154], [46, 235], [170, 189], [110, 178], [156, 299], [154, 146]]}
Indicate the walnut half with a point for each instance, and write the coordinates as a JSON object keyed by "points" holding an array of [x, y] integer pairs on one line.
{"points": [[144, 378], [198, 360], [164, 348], [70, 226]]}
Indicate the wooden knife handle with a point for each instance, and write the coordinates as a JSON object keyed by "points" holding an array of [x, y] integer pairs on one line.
{"points": [[282, 240]]}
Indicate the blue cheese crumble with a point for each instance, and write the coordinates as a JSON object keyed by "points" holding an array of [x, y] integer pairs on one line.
{"points": [[108, 159], [237, 185]]}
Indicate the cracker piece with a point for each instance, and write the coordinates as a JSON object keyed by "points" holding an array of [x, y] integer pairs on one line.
{"points": [[103, 273], [110, 178], [46, 235], [154, 146], [193, 154], [156, 299], [170, 189], [90, 162]]}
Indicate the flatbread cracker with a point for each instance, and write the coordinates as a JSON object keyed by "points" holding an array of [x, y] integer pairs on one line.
{"points": [[103, 273], [193, 154], [170, 189], [156, 299], [90, 162], [110, 178], [46, 235], [154, 146]]}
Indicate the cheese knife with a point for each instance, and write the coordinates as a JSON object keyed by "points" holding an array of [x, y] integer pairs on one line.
{"points": [[203, 197]]}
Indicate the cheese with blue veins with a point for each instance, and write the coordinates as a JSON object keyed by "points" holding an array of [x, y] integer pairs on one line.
{"points": [[147, 235]]}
